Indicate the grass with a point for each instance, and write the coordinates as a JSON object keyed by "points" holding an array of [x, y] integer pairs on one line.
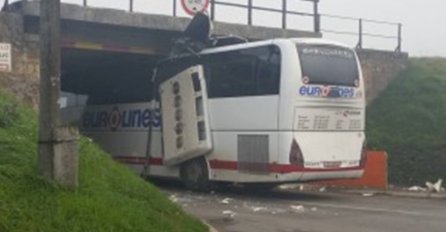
{"points": [[409, 121], [110, 197]]}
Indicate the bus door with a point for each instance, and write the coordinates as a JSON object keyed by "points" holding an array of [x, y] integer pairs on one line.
{"points": [[185, 120]]}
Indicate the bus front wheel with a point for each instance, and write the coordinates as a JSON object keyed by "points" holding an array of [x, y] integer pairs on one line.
{"points": [[195, 174]]}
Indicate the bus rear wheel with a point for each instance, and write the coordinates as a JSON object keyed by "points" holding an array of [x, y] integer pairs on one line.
{"points": [[195, 174]]}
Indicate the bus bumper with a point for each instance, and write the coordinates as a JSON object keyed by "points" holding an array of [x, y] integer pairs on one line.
{"points": [[320, 175]]}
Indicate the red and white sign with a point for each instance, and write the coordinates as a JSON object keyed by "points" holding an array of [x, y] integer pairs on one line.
{"points": [[193, 6], [5, 57]]}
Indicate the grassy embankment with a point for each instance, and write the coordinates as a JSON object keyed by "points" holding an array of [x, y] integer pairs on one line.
{"points": [[110, 197], [409, 121]]}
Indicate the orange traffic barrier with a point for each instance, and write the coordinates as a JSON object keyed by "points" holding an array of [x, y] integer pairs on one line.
{"points": [[375, 174]]}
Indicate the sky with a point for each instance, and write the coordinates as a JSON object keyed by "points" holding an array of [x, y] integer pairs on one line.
{"points": [[422, 20]]}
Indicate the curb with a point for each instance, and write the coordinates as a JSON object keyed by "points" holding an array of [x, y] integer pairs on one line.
{"points": [[426, 195], [371, 192], [211, 228], [415, 194]]}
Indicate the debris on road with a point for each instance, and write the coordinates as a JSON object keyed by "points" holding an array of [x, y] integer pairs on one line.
{"points": [[173, 198], [323, 189], [180, 199], [434, 187], [229, 214], [314, 209], [416, 189], [298, 208], [259, 209], [368, 194], [226, 201], [278, 211]]}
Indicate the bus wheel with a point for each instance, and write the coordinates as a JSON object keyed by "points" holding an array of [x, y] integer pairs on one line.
{"points": [[195, 174]]}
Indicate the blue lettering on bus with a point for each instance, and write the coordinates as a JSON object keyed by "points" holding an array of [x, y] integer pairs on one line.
{"points": [[115, 118], [325, 91]]}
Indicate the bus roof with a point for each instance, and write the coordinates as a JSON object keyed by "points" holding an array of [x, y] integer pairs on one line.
{"points": [[277, 41], [274, 41]]}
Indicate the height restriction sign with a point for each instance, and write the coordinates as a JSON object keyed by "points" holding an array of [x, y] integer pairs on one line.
{"points": [[5, 57], [193, 6]]}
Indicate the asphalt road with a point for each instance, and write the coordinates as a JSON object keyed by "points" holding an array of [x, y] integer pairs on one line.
{"points": [[237, 210]]}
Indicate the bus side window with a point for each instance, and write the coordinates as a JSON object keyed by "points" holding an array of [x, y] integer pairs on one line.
{"points": [[268, 71], [230, 74], [246, 72]]}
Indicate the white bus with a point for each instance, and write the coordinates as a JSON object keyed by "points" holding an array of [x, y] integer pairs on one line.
{"points": [[275, 111]]}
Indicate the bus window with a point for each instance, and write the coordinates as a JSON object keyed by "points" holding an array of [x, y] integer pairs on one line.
{"points": [[328, 65], [172, 67], [247, 72]]}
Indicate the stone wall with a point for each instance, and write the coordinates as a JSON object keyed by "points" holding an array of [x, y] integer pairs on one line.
{"points": [[23, 79], [379, 69]]}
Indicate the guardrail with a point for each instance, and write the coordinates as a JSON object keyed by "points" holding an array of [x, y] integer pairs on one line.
{"points": [[250, 7], [361, 34]]}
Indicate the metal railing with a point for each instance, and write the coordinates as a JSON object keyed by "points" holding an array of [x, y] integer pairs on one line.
{"points": [[285, 11], [361, 34], [250, 7]]}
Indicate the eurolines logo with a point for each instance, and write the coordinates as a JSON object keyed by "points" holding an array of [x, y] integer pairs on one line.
{"points": [[327, 91], [115, 118]]}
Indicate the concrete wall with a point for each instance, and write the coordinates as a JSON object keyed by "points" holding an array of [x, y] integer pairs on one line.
{"points": [[23, 79], [379, 69]]}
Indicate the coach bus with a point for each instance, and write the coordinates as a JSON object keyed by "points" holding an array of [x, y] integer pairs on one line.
{"points": [[275, 111]]}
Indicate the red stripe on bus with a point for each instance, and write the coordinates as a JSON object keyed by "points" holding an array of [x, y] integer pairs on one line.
{"points": [[233, 165]]}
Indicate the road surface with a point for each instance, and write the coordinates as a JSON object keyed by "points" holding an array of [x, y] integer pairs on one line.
{"points": [[283, 211]]}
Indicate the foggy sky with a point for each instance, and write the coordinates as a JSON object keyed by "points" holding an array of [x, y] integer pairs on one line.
{"points": [[423, 30]]}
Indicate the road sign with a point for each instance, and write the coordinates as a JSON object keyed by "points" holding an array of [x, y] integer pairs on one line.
{"points": [[193, 6], [5, 57]]}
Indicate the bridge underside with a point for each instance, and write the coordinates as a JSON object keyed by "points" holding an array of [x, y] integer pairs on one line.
{"points": [[112, 52], [107, 77]]}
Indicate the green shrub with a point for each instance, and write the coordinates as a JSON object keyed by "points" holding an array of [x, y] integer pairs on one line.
{"points": [[8, 111], [409, 121]]}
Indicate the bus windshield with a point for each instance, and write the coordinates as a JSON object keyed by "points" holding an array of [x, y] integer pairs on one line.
{"points": [[328, 65]]}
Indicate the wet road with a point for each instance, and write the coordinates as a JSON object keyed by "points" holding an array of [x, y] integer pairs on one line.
{"points": [[279, 211]]}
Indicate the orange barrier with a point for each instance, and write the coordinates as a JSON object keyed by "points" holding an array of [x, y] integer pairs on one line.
{"points": [[375, 174]]}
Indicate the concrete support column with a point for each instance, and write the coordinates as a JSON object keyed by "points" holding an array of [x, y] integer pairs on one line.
{"points": [[58, 159]]}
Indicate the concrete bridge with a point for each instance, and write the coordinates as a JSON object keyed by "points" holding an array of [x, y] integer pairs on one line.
{"points": [[100, 46], [121, 31], [114, 45]]}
